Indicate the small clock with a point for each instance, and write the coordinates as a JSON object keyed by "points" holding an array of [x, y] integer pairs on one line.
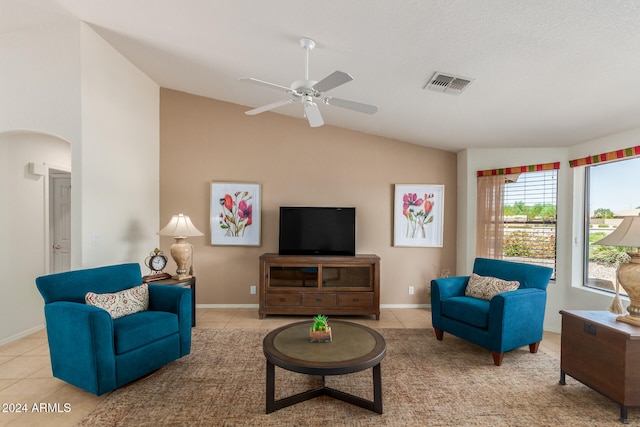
{"points": [[156, 262]]}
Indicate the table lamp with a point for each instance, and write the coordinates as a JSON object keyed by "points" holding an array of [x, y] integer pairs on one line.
{"points": [[628, 274], [180, 227]]}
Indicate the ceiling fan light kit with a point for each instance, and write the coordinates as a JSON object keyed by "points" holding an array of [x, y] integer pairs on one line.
{"points": [[306, 91]]}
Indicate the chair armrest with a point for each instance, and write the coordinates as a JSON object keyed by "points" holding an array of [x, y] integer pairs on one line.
{"points": [[81, 345], [517, 316], [177, 300], [442, 289], [448, 287], [168, 298]]}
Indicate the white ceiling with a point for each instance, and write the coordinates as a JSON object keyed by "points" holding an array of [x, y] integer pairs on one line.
{"points": [[546, 72]]}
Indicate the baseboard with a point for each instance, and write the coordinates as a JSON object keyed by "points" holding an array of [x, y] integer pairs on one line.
{"points": [[405, 305], [257, 306], [21, 335]]}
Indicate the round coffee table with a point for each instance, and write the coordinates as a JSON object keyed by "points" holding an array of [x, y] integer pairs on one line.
{"points": [[354, 348]]}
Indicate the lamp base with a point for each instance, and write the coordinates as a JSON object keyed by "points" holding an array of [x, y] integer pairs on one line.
{"points": [[182, 277], [632, 320]]}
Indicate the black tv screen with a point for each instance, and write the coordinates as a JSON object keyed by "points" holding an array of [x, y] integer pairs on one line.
{"points": [[317, 231]]}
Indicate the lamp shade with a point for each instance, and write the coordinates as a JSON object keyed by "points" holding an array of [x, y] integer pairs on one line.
{"points": [[180, 226], [627, 234]]}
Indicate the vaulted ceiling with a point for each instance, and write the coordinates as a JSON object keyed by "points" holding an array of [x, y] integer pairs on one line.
{"points": [[544, 73]]}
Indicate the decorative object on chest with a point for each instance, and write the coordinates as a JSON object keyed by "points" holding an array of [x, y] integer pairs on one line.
{"points": [[628, 275]]}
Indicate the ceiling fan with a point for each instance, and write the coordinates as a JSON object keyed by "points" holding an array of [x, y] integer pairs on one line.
{"points": [[307, 91]]}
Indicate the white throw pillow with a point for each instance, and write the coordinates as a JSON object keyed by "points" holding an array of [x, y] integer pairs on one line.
{"points": [[485, 287], [123, 303]]}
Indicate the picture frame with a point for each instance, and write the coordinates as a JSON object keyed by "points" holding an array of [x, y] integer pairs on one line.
{"points": [[418, 215], [235, 214]]}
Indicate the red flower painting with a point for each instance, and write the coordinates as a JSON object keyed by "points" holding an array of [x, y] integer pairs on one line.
{"points": [[237, 213], [418, 211]]}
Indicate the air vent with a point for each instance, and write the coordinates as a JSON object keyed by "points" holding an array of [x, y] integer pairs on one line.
{"points": [[448, 83]]}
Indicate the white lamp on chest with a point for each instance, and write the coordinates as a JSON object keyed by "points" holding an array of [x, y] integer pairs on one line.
{"points": [[628, 234]]}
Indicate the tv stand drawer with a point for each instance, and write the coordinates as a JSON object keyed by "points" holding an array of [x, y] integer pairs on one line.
{"points": [[283, 300], [355, 299], [319, 299]]}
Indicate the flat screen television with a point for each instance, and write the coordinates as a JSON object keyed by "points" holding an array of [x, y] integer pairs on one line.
{"points": [[317, 231]]}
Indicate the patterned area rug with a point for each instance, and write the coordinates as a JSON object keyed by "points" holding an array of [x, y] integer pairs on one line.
{"points": [[425, 382]]}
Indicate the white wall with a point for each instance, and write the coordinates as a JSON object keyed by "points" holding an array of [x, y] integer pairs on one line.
{"points": [[566, 292], [23, 197], [40, 81], [117, 164], [66, 83]]}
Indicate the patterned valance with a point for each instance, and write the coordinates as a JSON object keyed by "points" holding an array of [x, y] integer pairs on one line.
{"points": [[606, 157], [520, 169]]}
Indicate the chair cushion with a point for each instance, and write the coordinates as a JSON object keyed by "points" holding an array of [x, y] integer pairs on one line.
{"points": [[485, 287], [123, 303], [472, 311], [139, 329]]}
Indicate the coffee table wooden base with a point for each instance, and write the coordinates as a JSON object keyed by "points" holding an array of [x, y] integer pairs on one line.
{"points": [[372, 405]]}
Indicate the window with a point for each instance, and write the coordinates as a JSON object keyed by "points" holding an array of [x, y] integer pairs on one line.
{"points": [[610, 195], [522, 225]]}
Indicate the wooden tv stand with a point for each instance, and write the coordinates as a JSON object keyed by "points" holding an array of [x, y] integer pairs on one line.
{"points": [[311, 285]]}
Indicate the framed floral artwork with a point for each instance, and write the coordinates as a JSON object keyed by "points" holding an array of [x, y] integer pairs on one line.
{"points": [[418, 215], [235, 214]]}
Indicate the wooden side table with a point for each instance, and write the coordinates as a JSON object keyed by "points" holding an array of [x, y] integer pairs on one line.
{"points": [[185, 283], [602, 354]]}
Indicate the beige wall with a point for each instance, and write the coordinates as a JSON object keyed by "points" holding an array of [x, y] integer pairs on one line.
{"points": [[204, 140]]}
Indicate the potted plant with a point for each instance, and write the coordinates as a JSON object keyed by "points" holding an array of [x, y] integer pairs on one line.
{"points": [[320, 330]]}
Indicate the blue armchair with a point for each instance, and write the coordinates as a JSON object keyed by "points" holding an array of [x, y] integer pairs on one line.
{"points": [[508, 321], [93, 351]]}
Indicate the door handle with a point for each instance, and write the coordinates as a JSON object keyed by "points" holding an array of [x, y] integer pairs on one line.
{"points": [[57, 246]]}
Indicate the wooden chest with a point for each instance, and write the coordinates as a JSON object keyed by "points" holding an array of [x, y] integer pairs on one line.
{"points": [[602, 354]]}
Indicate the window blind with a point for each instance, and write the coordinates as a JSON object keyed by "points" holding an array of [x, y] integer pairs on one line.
{"points": [[530, 218]]}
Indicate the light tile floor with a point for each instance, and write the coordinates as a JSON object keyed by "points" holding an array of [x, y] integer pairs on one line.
{"points": [[25, 370]]}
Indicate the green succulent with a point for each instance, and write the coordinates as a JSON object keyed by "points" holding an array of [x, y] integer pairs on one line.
{"points": [[320, 323]]}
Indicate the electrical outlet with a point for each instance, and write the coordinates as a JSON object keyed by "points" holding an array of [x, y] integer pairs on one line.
{"points": [[252, 290], [411, 290]]}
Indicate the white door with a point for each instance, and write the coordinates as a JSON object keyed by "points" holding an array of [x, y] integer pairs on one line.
{"points": [[60, 222]]}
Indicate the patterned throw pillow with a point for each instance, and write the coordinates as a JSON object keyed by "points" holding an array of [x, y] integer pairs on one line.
{"points": [[484, 287], [121, 303]]}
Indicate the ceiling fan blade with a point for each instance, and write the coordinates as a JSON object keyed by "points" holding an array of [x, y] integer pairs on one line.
{"points": [[265, 84], [351, 105], [268, 107], [312, 112], [334, 79]]}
